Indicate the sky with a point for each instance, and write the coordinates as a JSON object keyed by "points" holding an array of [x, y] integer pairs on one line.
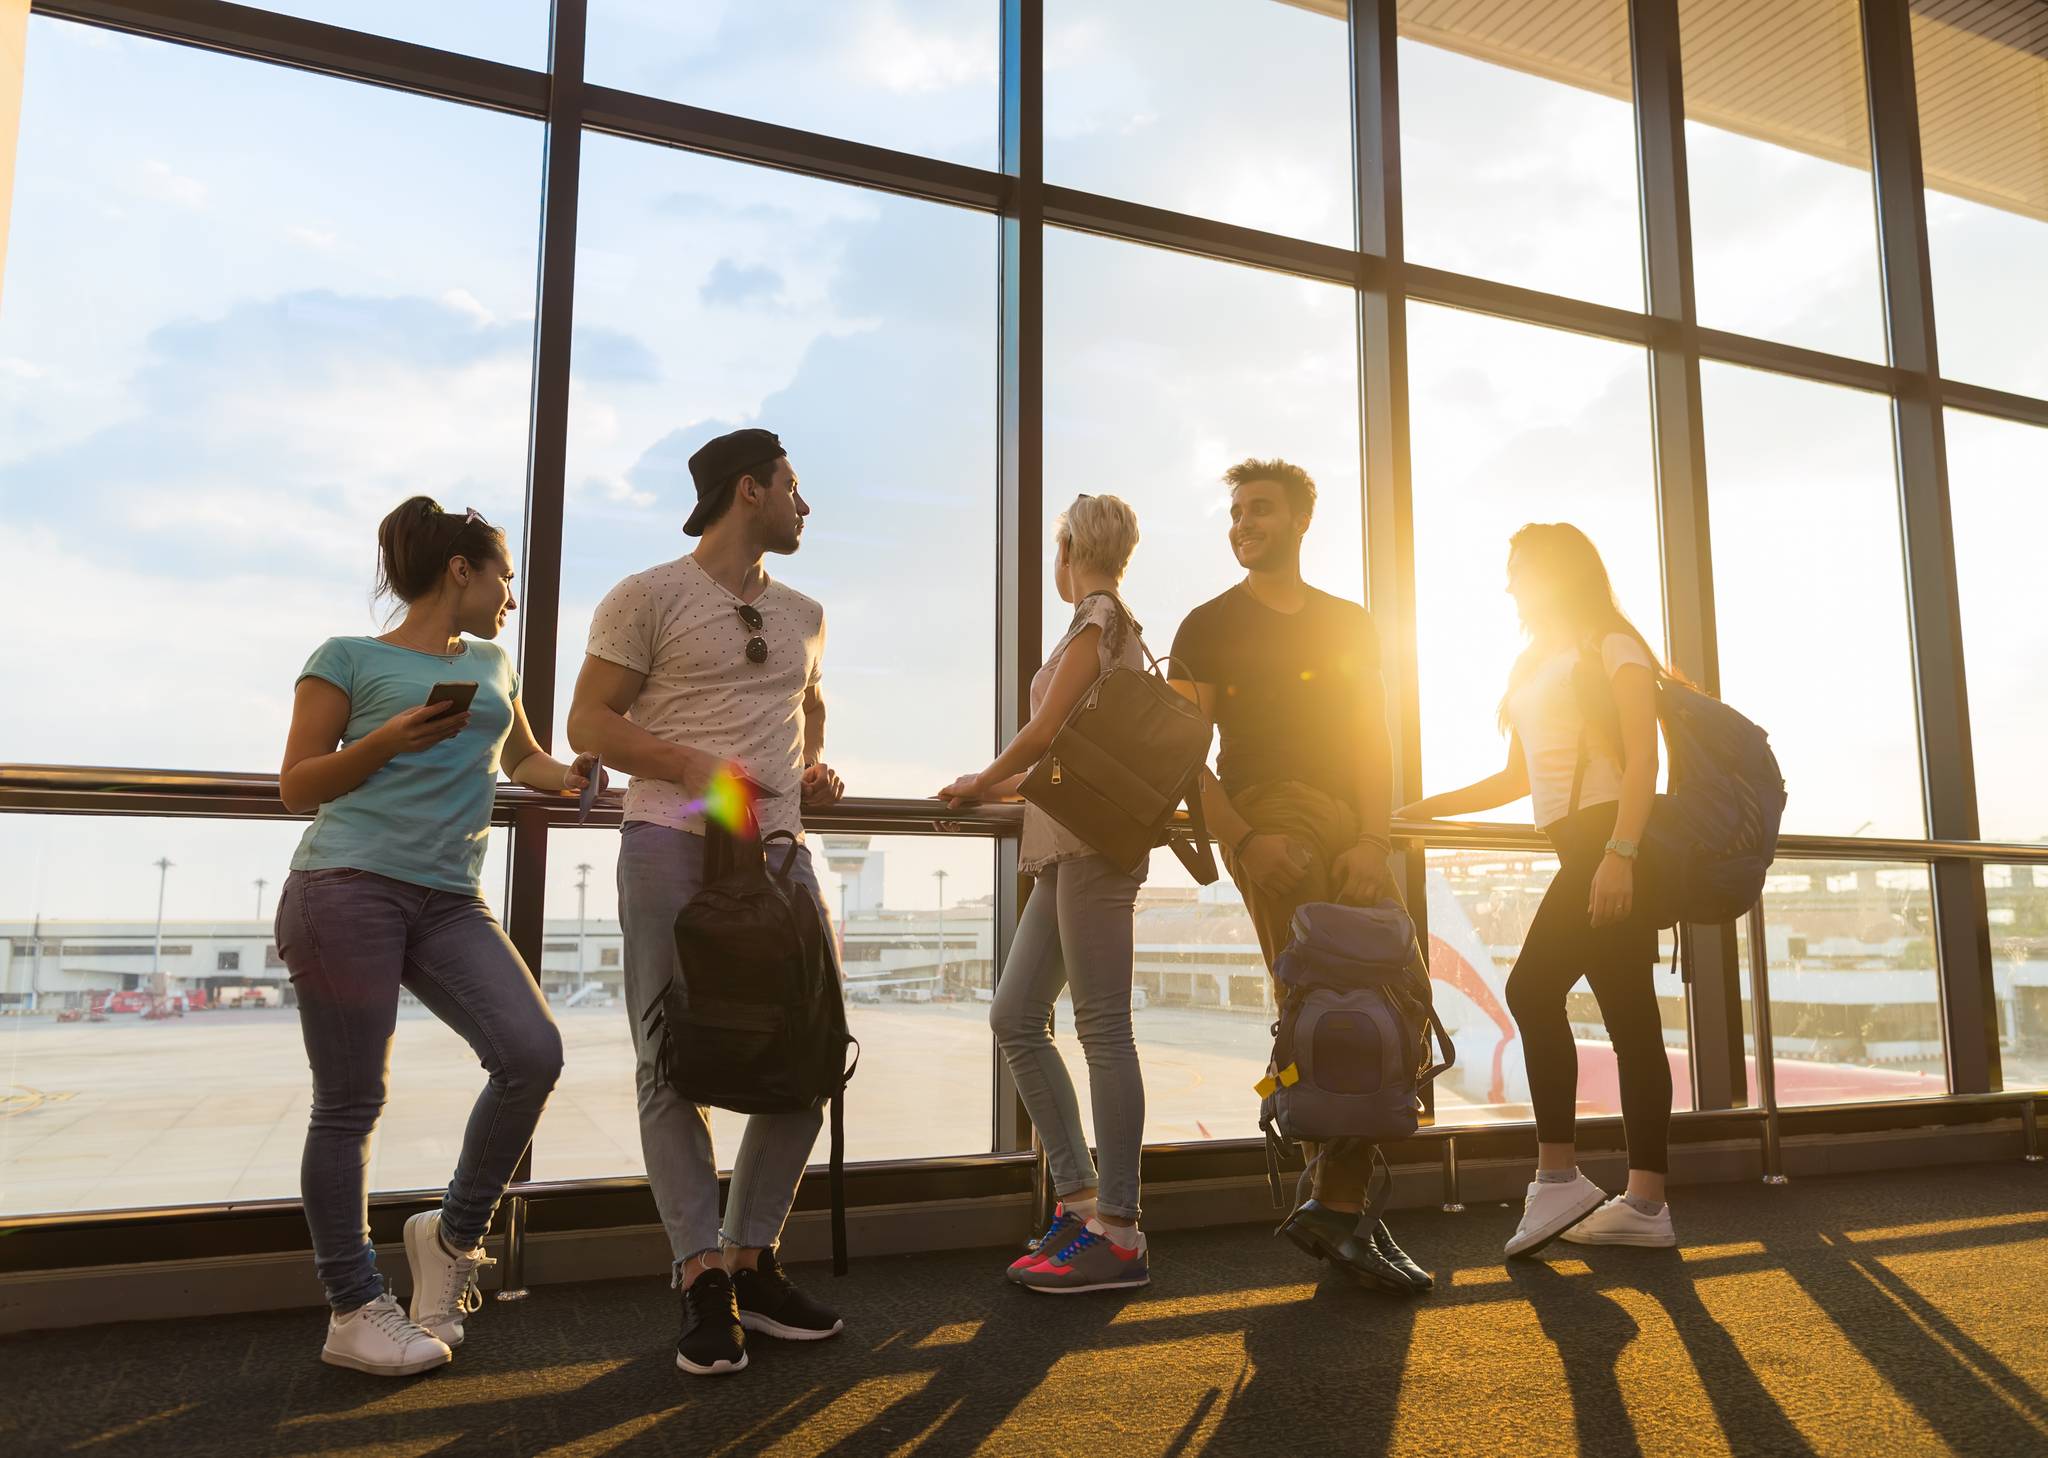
{"points": [[249, 310]]}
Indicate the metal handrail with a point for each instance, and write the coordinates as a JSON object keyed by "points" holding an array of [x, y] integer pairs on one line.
{"points": [[89, 787]]}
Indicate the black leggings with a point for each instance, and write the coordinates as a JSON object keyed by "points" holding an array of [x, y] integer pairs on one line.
{"points": [[1563, 946]]}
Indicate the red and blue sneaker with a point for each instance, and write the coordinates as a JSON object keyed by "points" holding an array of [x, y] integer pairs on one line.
{"points": [[1091, 1261], [1057, 1235]]}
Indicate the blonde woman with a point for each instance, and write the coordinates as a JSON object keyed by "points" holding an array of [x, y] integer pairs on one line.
{"points": [[1075, 933]]}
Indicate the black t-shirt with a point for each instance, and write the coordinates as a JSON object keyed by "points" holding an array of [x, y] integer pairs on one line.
{"points": [[1293, 690]]}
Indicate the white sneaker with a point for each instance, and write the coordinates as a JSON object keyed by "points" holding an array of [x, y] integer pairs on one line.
{"points": [[381, 1338], [1551, 1209], [444, 1288], [1619, 1223]]}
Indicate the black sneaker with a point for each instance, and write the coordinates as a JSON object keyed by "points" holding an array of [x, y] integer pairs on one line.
{"points": [[770, 1304], [712, 1343]]}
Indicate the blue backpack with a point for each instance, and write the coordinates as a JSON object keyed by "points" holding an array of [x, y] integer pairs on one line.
{"points": [[1351, 1050], [1711, 839]]}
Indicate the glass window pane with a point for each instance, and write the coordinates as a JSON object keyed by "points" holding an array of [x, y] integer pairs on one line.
{"points": [[918, 978], [1161, 371], [1201, 1011], [1513, 424], [1518, 147], [227, 353], [2018, 900], [1173, 103], [915, 75], [1855, 1000], [1810, 594], [1481, 903], [1777, 157], [1998, 502], [862, 328], [516, 32], [210, 1102], [1982, 73]]}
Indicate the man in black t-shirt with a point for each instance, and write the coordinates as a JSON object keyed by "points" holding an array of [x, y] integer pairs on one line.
{"points": [[1290, 677]]}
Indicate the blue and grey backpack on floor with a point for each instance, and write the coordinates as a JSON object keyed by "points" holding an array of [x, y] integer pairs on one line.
{"points": [[1351, 1047]]}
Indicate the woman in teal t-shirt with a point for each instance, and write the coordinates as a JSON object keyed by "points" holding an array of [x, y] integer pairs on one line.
{"points": [[383, 894]]}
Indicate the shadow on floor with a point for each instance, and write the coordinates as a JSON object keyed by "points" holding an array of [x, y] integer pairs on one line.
{"points": [[1239, 1346]]}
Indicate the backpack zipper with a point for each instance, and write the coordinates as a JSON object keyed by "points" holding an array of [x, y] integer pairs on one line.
{"points": [[1055, 770]]}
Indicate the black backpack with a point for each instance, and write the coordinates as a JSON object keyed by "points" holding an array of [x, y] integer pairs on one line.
{"points": [[756, 1022], [1711, 839]]}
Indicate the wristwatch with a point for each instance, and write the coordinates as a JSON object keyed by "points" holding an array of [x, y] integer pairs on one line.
{"points": [[1626, 849]]}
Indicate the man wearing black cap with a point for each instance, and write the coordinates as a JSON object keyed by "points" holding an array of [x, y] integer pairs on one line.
{"points": [[694, 667]]}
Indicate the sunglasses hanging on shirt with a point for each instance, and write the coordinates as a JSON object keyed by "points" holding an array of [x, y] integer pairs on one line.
{"points": [[757, 646]]}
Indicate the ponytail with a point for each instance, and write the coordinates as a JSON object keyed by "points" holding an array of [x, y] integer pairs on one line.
{"points": [[418, 539]]}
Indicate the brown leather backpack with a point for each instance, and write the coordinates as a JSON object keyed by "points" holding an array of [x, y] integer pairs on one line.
{"points": [[1130, 754]]}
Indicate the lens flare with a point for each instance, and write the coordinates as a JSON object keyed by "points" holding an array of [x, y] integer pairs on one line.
{"points": [[727, 801]]}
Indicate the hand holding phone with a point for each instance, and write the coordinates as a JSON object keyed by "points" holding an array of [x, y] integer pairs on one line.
{"points": [[421, 727], [456, 694]]}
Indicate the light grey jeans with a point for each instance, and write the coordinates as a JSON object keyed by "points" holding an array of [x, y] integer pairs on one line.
{"points": [[1076, 933], [660, 870]]}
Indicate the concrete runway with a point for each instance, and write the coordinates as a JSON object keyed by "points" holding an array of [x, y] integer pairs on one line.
{"points": [[212, 1107]]}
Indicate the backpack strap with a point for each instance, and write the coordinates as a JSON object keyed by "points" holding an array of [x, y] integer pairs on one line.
{"points": [[836, 1171], [788, 856], [1193, 849], [837, 1179], [1376, 1204], [728, 850], [1578, 773], [1272, 1160]]}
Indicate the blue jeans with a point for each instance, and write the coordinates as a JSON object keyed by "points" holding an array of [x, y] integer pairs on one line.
{"points": [[1076, 933], [351, 939], [660, 870]]}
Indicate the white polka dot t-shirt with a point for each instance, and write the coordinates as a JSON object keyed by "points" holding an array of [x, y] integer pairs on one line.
{"points": [[681, 629]]}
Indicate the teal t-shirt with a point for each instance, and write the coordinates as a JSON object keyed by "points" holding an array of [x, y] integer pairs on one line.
{"points": [[425, 817]]}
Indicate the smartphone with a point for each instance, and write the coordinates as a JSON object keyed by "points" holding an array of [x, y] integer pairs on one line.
{"points": [[588, 797], [457, 694]]}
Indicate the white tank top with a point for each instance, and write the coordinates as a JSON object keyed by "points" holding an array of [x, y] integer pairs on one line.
{"points": [[1546, 717]]}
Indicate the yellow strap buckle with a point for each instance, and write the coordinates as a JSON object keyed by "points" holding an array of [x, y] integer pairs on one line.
{"points": [[1287, 1077]]}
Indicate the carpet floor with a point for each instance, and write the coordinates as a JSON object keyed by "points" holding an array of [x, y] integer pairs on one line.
{"points": [[1891, 1314]]}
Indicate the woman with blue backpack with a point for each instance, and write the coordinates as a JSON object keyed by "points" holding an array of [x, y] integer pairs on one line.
{"points": [[1581, 713]]}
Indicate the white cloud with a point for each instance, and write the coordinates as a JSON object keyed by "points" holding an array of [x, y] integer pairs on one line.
{"points": [[181, 651], [20, 369], [616, 490], [901, 57], [319, 239], [465, 302], [163, 183]]}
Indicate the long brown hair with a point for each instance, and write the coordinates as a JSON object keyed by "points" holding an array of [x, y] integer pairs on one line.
{"points": [[1564, 556]]}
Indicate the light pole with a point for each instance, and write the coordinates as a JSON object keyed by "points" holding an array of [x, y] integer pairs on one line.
{"points": [[261, 882], [156, 954], [582, 892], [940, 875]]}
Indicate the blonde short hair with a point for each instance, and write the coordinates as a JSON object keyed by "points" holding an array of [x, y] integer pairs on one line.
{"points": [[1099, 533]]}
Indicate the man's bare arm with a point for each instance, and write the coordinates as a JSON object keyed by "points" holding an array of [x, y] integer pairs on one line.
{"points": [[598, 722]]}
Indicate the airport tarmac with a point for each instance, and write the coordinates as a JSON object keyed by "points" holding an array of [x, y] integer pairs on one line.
{"points": [[212, 1106]]}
